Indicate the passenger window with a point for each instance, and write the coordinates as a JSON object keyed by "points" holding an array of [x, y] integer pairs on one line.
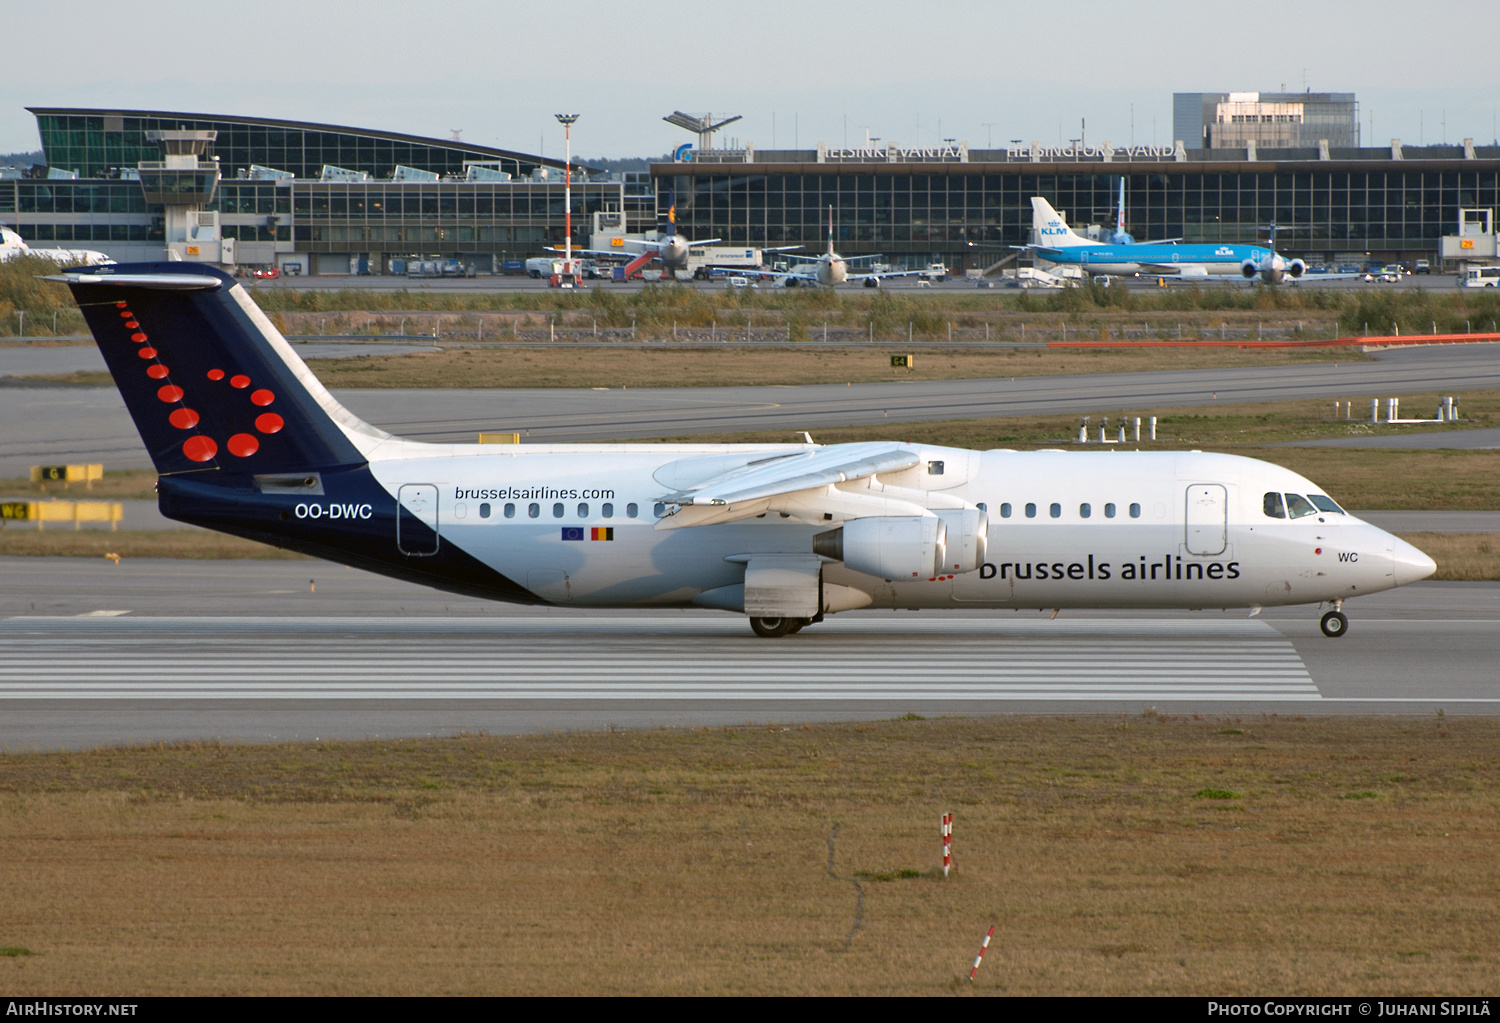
{"points": [[1055, 511], [583, 510], [1084, 511], [982, 506], [1271, 505], [533, 509], [1005, 510], [1325, 503], [1135, 511], [631, 511], [484, 511], [659, 510], [934, 468], [1298, 506], [607, 510], [1030, 511], [557, 510], [510, 511], [1109, 511]]}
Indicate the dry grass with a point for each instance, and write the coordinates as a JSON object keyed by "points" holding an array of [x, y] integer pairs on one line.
{"points": [[564, 365], [98, 543], [1343, 856], [117, 485], [1460, 557]]}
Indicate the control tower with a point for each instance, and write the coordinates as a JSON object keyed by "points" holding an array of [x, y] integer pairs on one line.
{"points": [[184, 181]]}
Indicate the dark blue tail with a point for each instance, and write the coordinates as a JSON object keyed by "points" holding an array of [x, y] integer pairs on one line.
{"points": [[209, 381]]}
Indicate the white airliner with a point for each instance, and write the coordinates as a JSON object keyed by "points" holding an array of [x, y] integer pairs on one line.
{"points": [[830, 269], [1057, 243], [247, 441], [13, 245], [669, 247]]}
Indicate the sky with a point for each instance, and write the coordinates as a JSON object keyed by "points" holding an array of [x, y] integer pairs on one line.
{"points": [[820, 70]]}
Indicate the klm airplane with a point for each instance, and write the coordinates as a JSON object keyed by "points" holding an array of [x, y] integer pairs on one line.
{"points": [[1057, 243], [245, 440]]}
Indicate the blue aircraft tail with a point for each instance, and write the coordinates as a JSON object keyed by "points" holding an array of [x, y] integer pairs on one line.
{"points": [[210, 383]]}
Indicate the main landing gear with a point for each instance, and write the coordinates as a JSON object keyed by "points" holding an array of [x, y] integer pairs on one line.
{"points": [[1334, 624], [771, 628]]}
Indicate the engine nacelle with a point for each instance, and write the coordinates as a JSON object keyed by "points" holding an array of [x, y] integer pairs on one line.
{"points": [[890, 547], [967, 540], [1249, 268], [872, 282], [1296, 268]]}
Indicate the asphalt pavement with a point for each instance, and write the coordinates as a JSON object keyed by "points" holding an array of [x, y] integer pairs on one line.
{"points": [[52, 425], [101, 654]]}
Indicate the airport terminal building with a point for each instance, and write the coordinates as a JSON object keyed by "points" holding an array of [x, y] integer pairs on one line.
{"points": [[327, 199], [963, 206], [318, 198]]}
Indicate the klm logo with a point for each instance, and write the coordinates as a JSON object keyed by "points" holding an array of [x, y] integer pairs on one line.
{"points": [[1223, 250], [1054, 227]]}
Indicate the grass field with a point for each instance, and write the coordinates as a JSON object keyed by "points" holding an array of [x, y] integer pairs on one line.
{"points": [[1140, 855], [98, 543]]}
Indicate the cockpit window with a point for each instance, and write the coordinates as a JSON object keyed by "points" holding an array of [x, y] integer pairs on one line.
{"points": [[1325, 503], [1272, 506], [1299, 506]]}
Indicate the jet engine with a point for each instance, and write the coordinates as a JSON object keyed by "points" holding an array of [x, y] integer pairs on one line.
{"points": [[1249, 269], [1296, 268], [888, 546], [967, 540], [872, 282]]}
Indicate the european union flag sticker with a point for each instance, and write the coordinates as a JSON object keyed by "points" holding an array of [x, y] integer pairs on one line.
{"points": [[572, 532]]}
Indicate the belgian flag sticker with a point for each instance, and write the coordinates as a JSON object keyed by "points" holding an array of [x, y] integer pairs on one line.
{"points": [[602, 533]]}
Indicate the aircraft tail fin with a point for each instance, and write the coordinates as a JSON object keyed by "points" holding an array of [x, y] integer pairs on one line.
{"points": [[1050, 229], [208, 379]]}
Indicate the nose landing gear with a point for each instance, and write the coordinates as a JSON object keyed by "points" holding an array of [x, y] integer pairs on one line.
{"points": [[1334, 624]]}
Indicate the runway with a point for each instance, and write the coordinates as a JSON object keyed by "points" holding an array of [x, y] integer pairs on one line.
{"points": [[98, 654], [56, 425]]}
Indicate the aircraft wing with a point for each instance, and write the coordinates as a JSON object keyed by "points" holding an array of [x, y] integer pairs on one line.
{"points": [[705, 241], [888, 273], [748, 490], [604, 252]]}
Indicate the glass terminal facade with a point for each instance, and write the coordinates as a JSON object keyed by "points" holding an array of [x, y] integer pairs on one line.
{"points": [[960, 207], [298, 219], [965, 214]]}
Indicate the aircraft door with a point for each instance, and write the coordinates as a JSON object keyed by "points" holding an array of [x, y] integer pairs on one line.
{"points": [[417, 520], [1207, 518]]}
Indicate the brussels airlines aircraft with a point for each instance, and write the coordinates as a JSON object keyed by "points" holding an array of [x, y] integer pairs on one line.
{"points": [[1057, 243], [248, 442]]}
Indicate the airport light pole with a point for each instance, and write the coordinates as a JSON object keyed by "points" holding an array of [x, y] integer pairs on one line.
{"points": [[567, 123]]}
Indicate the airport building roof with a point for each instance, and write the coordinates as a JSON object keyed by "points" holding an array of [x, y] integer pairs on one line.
{"points": [[97, 142]]}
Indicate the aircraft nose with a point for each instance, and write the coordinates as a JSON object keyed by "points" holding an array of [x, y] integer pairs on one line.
{"points": [[1411, 564]]}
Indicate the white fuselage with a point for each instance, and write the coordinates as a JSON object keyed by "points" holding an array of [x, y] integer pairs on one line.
{"points": [[13, 246], [1111, 529]]}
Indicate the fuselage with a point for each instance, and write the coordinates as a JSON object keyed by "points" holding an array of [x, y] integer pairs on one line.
{"points": [[1119, 260], [581, 525]]}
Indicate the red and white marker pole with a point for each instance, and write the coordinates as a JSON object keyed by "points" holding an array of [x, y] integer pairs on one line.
{"points": [[947, 842], [980, 957]]}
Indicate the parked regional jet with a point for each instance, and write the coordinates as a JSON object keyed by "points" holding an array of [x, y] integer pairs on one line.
{"points": [[1057, 243], [13, 245], [831, 269], [671, 248], [247, 441]]}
